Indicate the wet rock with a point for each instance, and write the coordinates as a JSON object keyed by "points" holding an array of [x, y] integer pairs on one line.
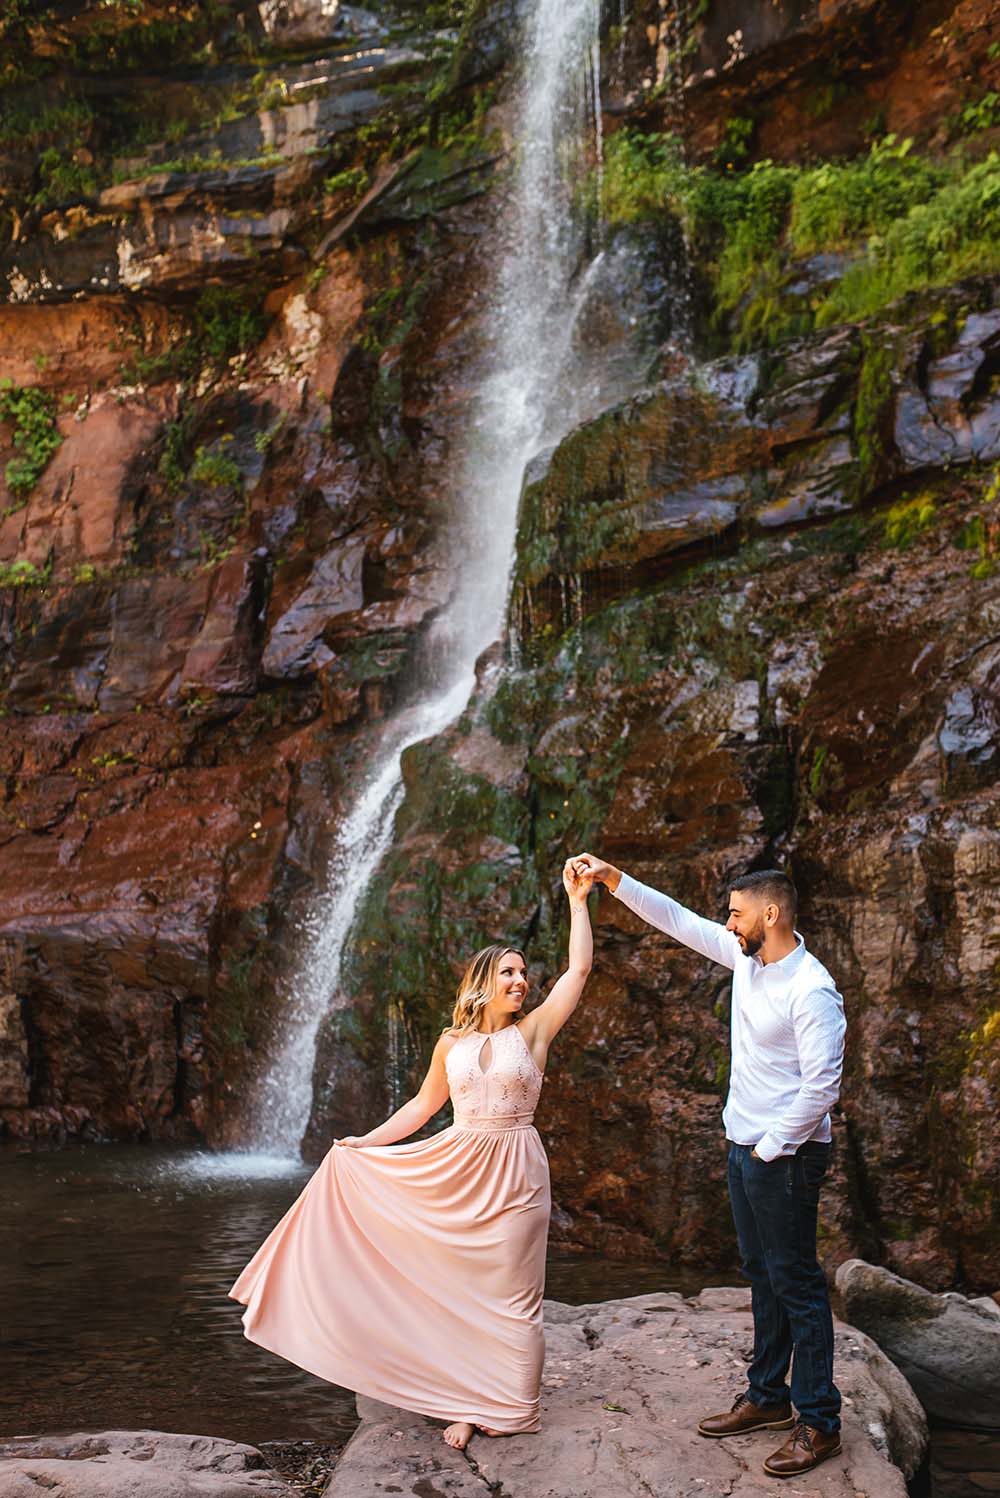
{"points": [[770, 442], [13, 1054], [119, 1463], [624, 1386], [299, 23], [233, 198], [81, 505], [223, 656], [950, 413], [487, 40], [969, 740], [947, 1347], [819, 480], [333, 591]]}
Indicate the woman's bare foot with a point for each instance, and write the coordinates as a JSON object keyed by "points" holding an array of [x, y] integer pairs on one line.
{"points": [[460, 1434], [485, 1431]]}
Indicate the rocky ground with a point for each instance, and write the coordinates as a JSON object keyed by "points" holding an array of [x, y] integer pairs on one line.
{"points": [[625, 1384]]}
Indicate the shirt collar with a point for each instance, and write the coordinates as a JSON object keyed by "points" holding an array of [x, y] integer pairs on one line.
{"points": [[785, 966]]}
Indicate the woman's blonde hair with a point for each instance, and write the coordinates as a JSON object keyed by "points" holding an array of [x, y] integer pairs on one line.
{"points": [[478, 985]]}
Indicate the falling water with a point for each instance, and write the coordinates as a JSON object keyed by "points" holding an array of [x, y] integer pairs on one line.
{"points": [[537, 387]]}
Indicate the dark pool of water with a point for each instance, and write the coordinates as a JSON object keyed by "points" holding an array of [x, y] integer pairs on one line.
{"points": [[114, 1268]]}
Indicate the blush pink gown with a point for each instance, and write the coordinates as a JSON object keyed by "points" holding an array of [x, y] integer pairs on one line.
{"points": [[414, 1272]]}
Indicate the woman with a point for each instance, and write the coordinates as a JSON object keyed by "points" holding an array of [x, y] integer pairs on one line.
{"points": [[415, 1275]]}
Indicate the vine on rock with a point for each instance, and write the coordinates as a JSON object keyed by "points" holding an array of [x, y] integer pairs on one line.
{"points": [[36, 437]]}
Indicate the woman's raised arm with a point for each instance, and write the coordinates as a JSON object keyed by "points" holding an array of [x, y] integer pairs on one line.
{"points": [[543, 1024], [413, 1115]]}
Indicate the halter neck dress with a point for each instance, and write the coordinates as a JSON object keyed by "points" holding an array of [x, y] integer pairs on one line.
{"points": [[414, 1273]]}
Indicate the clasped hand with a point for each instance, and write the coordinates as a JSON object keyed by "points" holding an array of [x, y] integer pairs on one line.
{"points": [[577, 881]]}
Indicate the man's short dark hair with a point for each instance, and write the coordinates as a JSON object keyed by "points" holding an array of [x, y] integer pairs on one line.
{"points": [[772, 886]]}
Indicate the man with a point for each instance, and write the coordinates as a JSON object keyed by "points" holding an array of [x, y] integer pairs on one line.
{"points": [[787, 1057]]}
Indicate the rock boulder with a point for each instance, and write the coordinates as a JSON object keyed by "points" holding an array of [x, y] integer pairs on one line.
{"points": [[947, 1346], [127, 1463]]}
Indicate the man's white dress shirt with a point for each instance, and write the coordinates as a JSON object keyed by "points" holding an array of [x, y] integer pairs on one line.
{"points": [[787, 1030]]}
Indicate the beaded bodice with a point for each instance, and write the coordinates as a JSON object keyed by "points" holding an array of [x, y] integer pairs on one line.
{"points": [[493, 1079]]}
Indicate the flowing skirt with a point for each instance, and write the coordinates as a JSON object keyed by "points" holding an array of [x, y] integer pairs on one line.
{"points": [[414, 1273]]}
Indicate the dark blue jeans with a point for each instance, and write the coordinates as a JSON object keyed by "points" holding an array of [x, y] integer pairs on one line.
{"points": [[774, 1209]]}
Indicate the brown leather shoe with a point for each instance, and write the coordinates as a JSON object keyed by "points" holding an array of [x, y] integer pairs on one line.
{"points": [[804, 1449], [746, 1416]]}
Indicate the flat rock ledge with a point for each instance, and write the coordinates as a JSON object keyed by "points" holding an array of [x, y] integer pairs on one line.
{"points": [[625, 1384]]}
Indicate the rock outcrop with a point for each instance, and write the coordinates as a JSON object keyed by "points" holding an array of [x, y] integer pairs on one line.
{"points": [[121, 1463], [625, 1385], [947, 1346]]}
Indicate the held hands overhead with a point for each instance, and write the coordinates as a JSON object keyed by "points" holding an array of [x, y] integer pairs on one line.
{"points": [[587, 866], [577, 882]]}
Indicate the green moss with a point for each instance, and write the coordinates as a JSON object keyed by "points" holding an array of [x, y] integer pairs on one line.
{"points": [[984, 1040], [734, 148], [224, 322], [909, 519], [67, 122], [819, 759], [981, 532], [839, 204], [228, 320], [32, 413], [355, 181], [173, 463], [979, 114], [199, 162], [873, 408], [826, 773], [23, 574], [212, 467]]}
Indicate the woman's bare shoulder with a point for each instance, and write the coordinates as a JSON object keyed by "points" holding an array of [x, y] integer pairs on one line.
{"points": [[446, 1040]]}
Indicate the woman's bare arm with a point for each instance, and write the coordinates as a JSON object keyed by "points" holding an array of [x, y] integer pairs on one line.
{"points": [[543, 1024], [413, 1115]]}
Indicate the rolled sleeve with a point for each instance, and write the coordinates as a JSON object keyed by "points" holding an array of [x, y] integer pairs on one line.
{"points": [[818, 1020]]}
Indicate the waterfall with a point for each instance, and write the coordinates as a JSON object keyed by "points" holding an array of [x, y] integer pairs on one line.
{"points": [[536, 386]]}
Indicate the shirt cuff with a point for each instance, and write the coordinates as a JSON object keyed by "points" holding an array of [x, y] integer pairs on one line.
{"points": [[769, 1148]]}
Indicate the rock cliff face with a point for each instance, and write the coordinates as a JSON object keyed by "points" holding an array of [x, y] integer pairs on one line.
{"points": [[755, 614]]}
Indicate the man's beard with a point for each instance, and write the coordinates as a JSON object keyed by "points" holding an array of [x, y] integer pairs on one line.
{"points": [[755, 940]]}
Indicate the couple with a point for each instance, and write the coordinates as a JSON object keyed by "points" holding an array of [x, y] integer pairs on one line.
{"points": [[415, 1274]]}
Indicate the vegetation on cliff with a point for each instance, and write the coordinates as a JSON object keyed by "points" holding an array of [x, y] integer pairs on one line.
{"points": [[894, 221]]}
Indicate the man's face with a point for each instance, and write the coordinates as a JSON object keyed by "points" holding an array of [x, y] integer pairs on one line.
{"points": [[746, 921]]}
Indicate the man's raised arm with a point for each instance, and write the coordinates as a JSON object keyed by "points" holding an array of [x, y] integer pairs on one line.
{"points": [[709, 938]]}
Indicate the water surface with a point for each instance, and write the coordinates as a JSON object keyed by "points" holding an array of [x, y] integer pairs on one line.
{"points": [[114, 1267]]}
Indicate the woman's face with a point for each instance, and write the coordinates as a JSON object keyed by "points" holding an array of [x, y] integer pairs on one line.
{"points": [[512, 983]]}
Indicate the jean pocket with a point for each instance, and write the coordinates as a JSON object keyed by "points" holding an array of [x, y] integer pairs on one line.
{"points": [[813, 1164]]}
